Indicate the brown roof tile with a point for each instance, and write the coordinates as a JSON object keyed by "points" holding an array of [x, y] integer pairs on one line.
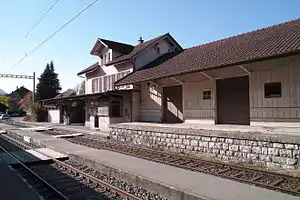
{"points": [[138, 48], [117, 46], [89, 69], [260, 44]]}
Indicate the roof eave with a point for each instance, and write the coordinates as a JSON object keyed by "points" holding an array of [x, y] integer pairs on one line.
{"points": [[290, 53]]}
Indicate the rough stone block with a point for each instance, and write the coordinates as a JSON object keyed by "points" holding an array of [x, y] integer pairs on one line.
{"points": [[182, 136], [266, 158], [237, 154], [207, 139], [236, 141], [296, 153], [273, 165], [273, 151], [291, 146], [218, 145], [229, 153], [211, 144], [182, 146], [186, 142], [252, 156], [205, 149], [213, 139], [278, 145], [286, 153], [179, 141], [243, 142], [220, 139], [189, 148], [222, 152], [225, 146], [216, 151], [233, 147], [194, 143], [203, 144], [252, 143], [291, 161], [168, 140], [245, 149], [169, 145], [256, 150], [229, 141], [264, 150], [198, 138]]}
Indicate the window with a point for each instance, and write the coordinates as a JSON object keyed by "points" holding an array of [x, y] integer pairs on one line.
{"points": [[100, 84], [104, 58], [157, 50], [95, 85], [206, 94], [108, 56], [115, 109], [273, 90], [101, 57]]}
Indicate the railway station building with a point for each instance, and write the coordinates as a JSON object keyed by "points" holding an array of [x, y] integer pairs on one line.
{"points": [[248, 79]]}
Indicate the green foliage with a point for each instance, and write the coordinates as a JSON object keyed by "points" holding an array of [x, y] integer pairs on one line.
{"points": [[49, 85], [5, 100], [38, 112]]}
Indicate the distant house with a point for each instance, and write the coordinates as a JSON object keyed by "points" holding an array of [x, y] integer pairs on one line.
{"points": [[15, 97], [3, 108]]}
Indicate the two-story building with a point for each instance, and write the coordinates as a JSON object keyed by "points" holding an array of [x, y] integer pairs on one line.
{"points": [[103, 103]]}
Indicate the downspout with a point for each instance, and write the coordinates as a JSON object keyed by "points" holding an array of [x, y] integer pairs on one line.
{"points": [[133, 69]]}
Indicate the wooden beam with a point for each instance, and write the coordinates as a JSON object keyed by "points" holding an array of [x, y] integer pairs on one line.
{"points": [[206, 75], [175, 79], [246, 70], [154, 83]]}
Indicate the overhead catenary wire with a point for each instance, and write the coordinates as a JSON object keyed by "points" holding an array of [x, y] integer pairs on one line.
{"points": [[42, 17], [53, 34]]}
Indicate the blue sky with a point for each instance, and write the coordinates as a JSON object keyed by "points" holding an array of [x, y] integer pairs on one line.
{"points": [[190, 22]]}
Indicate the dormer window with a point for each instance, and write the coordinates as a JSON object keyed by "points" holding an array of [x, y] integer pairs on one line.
{"points": [[104, 58], [108, 56], [157, 49], [101, 57]]}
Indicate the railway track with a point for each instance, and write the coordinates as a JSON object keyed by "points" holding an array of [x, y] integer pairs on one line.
{"points": [[59, 180], [270, 180], [274, 181]]}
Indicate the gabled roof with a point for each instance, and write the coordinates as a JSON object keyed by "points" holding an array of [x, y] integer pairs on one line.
{"points": [[273, 41], [89, 69], [140, 47], [20, 92], [117, 46], [67, 93]]}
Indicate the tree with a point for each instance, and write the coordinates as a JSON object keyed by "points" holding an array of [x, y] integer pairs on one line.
{"points": [[5, 100], [48, 86], [26, 103]]}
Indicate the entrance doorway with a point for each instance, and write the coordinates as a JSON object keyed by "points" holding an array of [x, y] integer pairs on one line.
{"points": [[233, 101], [172, 104]]}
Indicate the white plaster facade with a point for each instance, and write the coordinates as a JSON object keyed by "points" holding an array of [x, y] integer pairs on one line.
{"points": [[113, 73]]}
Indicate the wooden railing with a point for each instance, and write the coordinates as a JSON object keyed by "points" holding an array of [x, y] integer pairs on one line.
{"points": [[106, 83]]}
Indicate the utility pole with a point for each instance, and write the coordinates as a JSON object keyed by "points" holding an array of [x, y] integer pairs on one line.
{"points": [[22, 77], [33, 90]]}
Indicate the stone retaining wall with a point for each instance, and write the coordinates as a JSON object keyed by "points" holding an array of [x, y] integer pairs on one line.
{"points": [[258, 152]]}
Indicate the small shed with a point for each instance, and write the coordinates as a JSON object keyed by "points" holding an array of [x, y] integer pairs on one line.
{"points": [[3, 108]]}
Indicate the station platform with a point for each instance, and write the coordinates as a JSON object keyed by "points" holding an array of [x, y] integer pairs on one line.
{"points": [[171, 182], [32, 156], [12, 187]]}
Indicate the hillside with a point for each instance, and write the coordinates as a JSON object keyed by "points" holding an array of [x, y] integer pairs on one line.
{"points": [[2, 92]]}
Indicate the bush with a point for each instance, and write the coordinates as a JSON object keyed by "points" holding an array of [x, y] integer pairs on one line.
{"points": [[38, 112]]}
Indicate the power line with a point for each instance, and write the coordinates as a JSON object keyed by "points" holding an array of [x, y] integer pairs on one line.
{"points": [[53, 34], [42, 17]]}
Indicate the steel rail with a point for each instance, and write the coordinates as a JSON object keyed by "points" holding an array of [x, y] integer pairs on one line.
{"points": [[106, 186], [154, 155], [34, 174]]}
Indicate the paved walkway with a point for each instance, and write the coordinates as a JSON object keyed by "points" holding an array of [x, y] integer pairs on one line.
{"points": [[201, 185]]}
